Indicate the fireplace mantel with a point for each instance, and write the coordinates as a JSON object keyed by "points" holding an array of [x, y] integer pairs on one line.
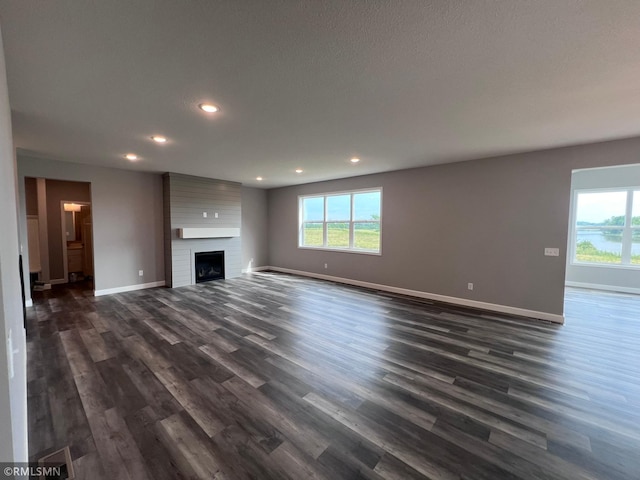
{"points": [[208, 232]]}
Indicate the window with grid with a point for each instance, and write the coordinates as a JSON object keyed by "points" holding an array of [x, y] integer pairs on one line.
{"points": [[341, 221], [607, 227]]}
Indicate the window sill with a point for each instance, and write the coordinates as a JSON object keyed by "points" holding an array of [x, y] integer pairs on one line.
{"points": [[615, 266], [342, 250]]}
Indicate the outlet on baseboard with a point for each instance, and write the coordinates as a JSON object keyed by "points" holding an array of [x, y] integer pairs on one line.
{"points": [[140, 273], [470, 286]]}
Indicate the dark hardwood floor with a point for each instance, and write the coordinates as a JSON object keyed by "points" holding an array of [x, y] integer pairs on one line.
{"points": [[278, 376]]}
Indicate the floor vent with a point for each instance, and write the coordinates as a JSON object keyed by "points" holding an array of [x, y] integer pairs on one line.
{"points": [[60, 458]]}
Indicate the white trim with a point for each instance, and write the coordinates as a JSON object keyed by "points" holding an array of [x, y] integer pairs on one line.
{"points": [[342, 192], [608, 288], [626, 242], [65, 253], [325, 223], [612, 266], [533, 314], [208, 232], [28, 303], [606, 189], [604, 168], [343, 250], [255, 269], [128, 288]]}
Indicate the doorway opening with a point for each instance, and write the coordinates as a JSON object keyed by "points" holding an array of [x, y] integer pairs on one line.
{"points": [[59, 232], [77, 235], [603, 249]]}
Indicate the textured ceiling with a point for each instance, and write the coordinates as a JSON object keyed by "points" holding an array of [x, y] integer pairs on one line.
{"points": [[310, 84]]}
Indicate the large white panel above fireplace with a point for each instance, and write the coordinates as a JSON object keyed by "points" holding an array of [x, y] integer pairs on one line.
{"points": [[208, 232]]}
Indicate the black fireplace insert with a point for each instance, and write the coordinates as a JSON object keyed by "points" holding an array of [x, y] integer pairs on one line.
{"points": [[209, 266]]}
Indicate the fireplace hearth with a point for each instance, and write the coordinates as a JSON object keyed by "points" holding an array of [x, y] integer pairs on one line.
{"points": [[209, 266]]}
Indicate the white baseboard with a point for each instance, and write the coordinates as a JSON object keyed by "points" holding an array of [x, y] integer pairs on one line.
{"points": [[255, 269], [128, 288], [608, 288], [551, 317], [28, 303]]}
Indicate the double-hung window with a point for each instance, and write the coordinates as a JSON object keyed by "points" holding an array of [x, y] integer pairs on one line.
{"points": [[607, 227], [342, 221]]}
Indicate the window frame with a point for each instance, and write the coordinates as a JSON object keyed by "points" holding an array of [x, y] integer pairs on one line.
{"points": [[351, 248], [627, 230]]}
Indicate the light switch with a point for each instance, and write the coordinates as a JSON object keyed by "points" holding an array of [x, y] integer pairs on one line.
{"points": [[204, 214], [551, 252], [216, 214]]}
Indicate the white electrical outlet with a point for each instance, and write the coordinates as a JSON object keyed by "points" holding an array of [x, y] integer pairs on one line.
{"points": [[470, 286], [551, 252], [326, 265], [140, 273], [215, 214], [204, 214]]}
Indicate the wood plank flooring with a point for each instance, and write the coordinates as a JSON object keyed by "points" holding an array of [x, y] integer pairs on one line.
{"points": [[277, 376]]}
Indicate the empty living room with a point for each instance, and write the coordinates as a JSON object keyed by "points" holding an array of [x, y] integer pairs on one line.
{"points": [[324, 239]]}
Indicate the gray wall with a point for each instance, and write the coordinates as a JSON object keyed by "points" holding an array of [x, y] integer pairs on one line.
{"points": [[188, 198], [255, 228], [13, 389], [484, 221], [127, 218], [624, 279]]}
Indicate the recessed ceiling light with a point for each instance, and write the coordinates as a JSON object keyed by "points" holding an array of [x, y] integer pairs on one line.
{"points": [[299, 170], [259, 179], [355, 160], [159, 138], [208, 107], [131, 156]]}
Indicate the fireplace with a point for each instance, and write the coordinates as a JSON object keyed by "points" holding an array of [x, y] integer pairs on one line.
{"points": [[209, 266]]}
